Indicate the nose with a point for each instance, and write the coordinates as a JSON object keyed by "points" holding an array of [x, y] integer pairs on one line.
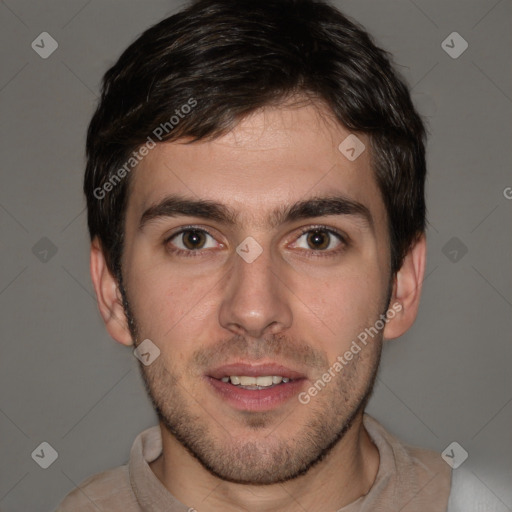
{"points": [[255, 301]]}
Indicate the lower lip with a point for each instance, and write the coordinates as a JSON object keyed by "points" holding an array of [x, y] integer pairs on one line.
{"points": [[256, 399]]}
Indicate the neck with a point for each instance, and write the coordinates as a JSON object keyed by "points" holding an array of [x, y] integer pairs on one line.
{"points": [[344, 475]]}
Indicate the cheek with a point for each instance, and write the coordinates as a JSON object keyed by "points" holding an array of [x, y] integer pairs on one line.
{"points": [[334, 311], [171, 306]]}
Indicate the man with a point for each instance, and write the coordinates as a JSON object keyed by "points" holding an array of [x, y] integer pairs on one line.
{"points": [[255, 192]]}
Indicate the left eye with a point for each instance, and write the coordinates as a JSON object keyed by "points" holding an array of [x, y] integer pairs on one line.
{"points": [[192, 239], [318, 240]]}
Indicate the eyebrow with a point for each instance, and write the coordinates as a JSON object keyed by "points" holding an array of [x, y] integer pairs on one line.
{"points": [[176, 206]]}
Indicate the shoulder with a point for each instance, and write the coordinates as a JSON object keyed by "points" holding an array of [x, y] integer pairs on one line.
{"points": [[427, 462], [428, 475], [410, 478], [405, 459], [109, 490]]}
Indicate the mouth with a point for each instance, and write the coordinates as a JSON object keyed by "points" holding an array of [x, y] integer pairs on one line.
{"points": [[255, 387]]}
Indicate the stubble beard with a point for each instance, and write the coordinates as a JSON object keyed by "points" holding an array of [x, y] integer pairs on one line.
{"points": [[273, 459]]}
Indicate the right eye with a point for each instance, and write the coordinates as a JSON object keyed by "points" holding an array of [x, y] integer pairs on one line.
{"points": [[191, 240]]}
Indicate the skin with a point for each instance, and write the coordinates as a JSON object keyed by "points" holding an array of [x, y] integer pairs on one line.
{"points": [[288, 306]]}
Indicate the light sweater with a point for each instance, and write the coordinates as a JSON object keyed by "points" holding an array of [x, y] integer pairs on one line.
{"points": [[409, 479]]}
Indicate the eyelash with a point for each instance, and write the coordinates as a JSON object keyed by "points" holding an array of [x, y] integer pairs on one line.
{"points": [[310, 253]]}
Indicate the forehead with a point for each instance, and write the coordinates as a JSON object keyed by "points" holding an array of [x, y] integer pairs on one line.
{"points": [[274, 156]]}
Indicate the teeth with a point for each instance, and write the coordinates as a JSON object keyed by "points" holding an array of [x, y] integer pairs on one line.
{"points": [[248, 381], [263, 381]]}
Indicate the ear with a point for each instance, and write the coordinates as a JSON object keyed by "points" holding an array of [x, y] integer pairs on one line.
{"points": [[405, 298], [109, 297]]}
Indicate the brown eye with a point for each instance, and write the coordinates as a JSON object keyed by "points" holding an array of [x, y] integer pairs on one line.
{"points": [[191, 240], [194, 239], [318, 239]]}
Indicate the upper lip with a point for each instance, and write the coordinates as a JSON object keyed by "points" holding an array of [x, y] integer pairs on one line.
{"points": [[254, 370]]}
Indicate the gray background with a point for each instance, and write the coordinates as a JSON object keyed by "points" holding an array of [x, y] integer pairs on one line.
{"points": [[64, 381]]}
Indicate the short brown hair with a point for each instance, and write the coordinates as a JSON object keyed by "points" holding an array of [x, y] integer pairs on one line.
{"points": [[232, 58]]}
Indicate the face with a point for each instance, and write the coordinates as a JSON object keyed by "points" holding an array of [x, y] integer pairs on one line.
{"points": [[263, 253]]}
